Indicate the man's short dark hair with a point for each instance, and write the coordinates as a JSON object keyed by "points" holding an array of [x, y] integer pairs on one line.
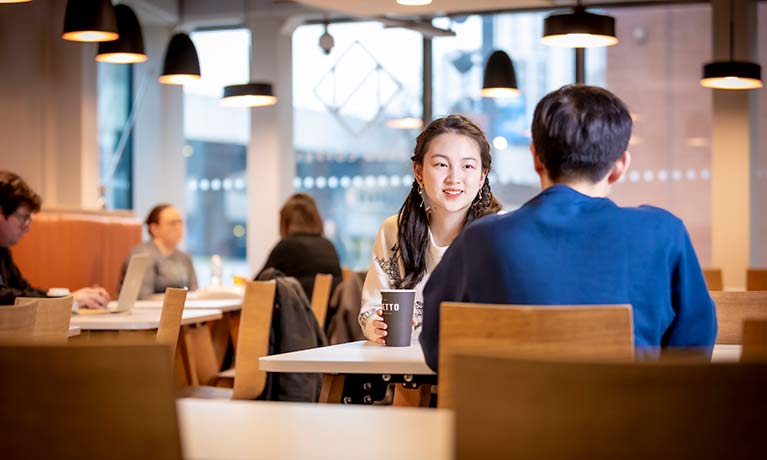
{"points": [[14, 192], [580, 131]]}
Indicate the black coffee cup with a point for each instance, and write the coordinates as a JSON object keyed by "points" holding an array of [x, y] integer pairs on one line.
{"points": [[397, 306]]}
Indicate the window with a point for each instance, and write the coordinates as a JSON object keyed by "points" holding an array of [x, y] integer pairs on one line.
{"points": [[216, 152], [348, 157], [115, 95]]}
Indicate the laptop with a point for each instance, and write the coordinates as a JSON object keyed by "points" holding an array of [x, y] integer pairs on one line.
{"points": [[131, 286]]}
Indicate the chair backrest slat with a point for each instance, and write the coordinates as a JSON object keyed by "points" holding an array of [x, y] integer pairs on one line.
{"points": [[593, 331], [536, 410], [321, 296], [18, 320], [253, 339], [52, 318], [733, 308], [754, 340], [756, 279], [170, 318]]}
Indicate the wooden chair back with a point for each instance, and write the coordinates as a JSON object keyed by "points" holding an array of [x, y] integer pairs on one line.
{"points": [[170, 318], [253, 339], [733, 308], [592, 331], [754, 340], [80, 401], [756, 279], [52, 317], [564, 410], [713, 277], [320, 297], [18, 320]]}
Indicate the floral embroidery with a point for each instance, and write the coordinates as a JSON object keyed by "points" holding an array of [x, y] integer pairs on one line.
{"points": [[390, 266]]}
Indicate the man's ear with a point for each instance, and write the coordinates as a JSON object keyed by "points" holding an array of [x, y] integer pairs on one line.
{"points": [[537, 163], [418, 172], [620, 168]]}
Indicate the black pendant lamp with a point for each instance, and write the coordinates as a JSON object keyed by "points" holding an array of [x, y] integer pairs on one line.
{"points": [[579, 29], [181, 64], [254, 94], [15, 1], [129, 48], [732, 74], [90, 21], [500, 80]]}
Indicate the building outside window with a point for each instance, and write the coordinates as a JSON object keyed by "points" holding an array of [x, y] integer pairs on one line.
{"points": [[115, 96]]}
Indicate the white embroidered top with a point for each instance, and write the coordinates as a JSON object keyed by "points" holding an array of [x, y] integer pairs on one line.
{"points": [[386, 269]]}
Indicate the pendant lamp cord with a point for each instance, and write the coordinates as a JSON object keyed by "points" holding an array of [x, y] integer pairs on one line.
{"points": [[732, 30]]}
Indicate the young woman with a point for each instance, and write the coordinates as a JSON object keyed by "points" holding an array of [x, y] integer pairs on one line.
{"points": [[303, 251], [450, 165]]}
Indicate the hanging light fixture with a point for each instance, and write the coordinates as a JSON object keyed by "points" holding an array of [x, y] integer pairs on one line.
{"points": [[579, 29], [254, 94], [15, 1], [732, 74], [129, 48], [251, 94], [90, 21], [414, 2], [500, 80], [181, 64]]}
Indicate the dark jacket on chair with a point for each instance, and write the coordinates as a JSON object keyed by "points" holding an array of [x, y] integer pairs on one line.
{"points": [[294, 328]]}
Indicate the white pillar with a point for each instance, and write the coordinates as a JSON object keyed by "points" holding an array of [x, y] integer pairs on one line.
{"points": [[733, 148], [271, 164]]}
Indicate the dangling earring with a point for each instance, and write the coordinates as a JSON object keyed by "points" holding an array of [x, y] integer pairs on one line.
{"points": [[420, 192], [424, 197]]}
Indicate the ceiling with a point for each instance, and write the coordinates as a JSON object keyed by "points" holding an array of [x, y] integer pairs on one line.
{"points": [[442, 7]]}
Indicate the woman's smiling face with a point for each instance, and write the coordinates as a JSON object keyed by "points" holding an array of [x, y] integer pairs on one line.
{"points": [[451, 172]]}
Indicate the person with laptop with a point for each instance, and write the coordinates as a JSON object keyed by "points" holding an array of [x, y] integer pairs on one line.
{"points": [[169, 266], [572, 245], [19, 202]]}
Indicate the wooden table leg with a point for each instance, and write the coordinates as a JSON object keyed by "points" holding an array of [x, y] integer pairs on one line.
{"points": [[200, 356], [220, 333], [414, 397], [332, 388]]}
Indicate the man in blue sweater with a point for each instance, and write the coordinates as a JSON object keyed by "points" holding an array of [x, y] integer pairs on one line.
{"points": [[571, 244]]}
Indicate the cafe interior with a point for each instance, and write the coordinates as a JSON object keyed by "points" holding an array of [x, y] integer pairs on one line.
{"points": [[221, 110]]}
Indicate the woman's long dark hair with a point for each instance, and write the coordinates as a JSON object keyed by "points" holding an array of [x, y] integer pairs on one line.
{"points": [[413, 220]]}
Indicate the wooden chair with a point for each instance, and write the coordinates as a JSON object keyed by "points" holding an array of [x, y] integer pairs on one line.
{"points": [[754, 340], [733, 308], [756, 279], [170, 318], [52, 317], [595, 332], [79, 401], [252, 343], [529, 410], [713, 277], [320, 297], [18, 320]]}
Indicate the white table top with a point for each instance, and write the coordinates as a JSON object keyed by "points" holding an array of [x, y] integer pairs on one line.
{"points": [[361, 357], [268, 430], [222, 305], [74, 330], [138, 319]]}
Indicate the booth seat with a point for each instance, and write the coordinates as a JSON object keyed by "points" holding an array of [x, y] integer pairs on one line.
{"points": [[77, 248]]}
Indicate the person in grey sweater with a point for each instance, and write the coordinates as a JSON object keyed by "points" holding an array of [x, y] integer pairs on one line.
{"points": [[170, 267]]}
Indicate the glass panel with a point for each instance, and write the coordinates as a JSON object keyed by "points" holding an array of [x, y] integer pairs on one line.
{"points": [[347, 156], [216, 152], [115, 93], [655, 69]]}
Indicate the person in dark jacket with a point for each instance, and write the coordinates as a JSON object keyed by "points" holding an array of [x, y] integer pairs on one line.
{"points": [[303, 252], [18, 202]]}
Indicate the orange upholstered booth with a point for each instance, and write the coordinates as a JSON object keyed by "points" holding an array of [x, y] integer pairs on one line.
{"points": [[74, 249]]}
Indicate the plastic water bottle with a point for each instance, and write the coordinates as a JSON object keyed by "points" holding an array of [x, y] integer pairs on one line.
{"points": [[215, 271]]}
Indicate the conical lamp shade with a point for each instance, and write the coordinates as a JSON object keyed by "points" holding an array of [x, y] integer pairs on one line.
{"points": [[579, 29], [249, 95], [732, 75], [90, 21], [500, 80], [181, 64], [129, 48]]}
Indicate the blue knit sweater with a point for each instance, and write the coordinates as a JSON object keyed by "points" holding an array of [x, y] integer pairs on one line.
{"points": [[566, 248]]}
